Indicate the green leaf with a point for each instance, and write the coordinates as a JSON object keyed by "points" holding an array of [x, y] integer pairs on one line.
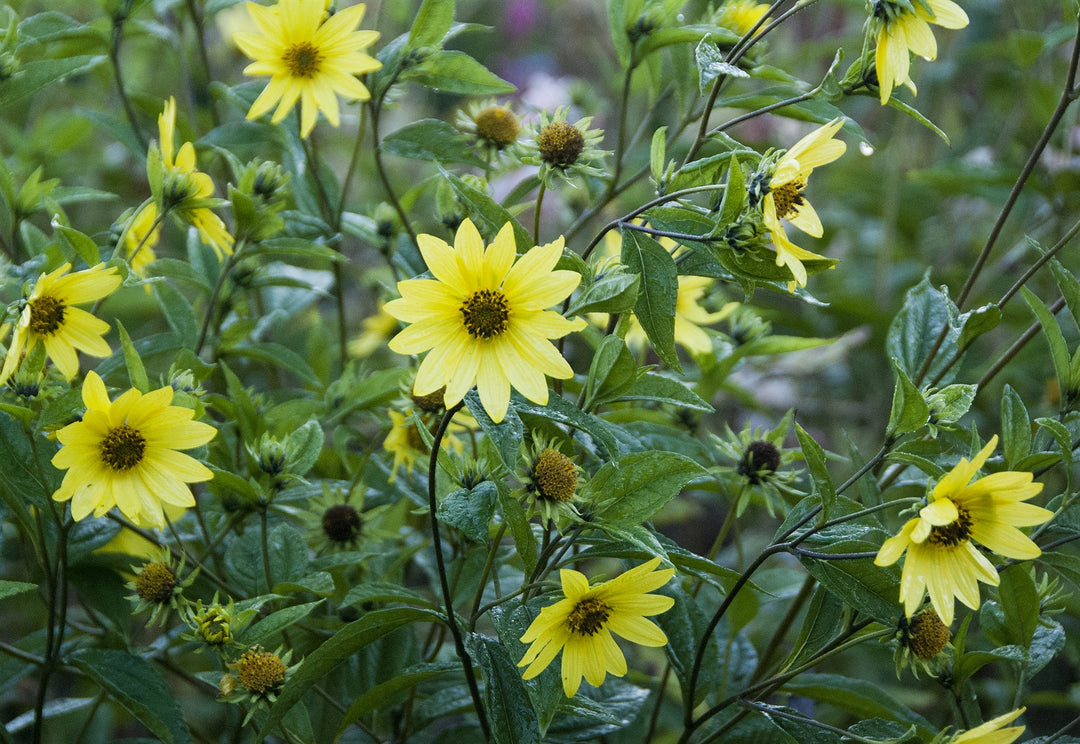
{"points": [[914, 113], [451, 71], [1015, 428], [659, 289], [655, 387], [488, 215], [139, 688], [135, 368], [178, 312], [734, 194], [381, 592], [916, 328], [885, 732], [1069, 286], [286, 548], [819, 471], [711, 64], [293, 248], [512, 716], [872, 590], [562, 411], [335, 650], [857, 698], [506, 435], [612, 371], [1059, 352], [520, 529], [634, 487], [80, 243], [910, 411], [384, 696], [824, 619], [658, 153], [431, 139], [278, 355], [37, 74], [470, 511], [264, 631], [614, 292], [431, 24], [951, 403], [12, 588], [1020, 602], [616, 11]]}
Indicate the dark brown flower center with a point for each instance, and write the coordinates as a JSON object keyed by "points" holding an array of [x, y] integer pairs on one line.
{"points": [[588, 616], [927, 635], [554, 476], [341, 523], [956, 532], [788, 198], [497, 125], [560, 144], [46, 315], [155, 582], [759, 461], [486, 313], [123, 448], [302, 60]]}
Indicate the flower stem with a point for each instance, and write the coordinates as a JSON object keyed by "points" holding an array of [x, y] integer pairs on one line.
{"points": [[448, 601]]}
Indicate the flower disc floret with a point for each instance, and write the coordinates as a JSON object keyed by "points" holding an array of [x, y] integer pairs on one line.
{"points": [[583, 623], [310, 57], [482, 319], [125, 453], [155, 582], [50, 316], [942, 558], [260, 672]]}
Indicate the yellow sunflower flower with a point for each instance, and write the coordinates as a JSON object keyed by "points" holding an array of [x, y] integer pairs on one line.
{"points": [[483, 318], [404, 443], [309, 56], [125, 453], [581, 625], [184, 185], [140, 241], [690, 316], [741, 15], [899, 30], [784, 198], [990, 732], [941, 555], [50, 316]]}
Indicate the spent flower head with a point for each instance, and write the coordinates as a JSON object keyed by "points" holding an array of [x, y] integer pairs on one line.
{"points": [[551, 482], [562, 148], [157, 587], [940, 542], [759, 467], [921, 642], [493, 126], [310, 57]]}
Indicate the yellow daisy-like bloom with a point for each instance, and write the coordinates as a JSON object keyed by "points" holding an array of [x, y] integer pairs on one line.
{"points": [[581, 625], [309, 56], [184, 183], [741, 15], [50, 316], [990, 732], [784, 199], [899, 31], [404, 443], [941, 555], [377, 328], [125, 453], [483, 318], [140, 241], [690, 316]]}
